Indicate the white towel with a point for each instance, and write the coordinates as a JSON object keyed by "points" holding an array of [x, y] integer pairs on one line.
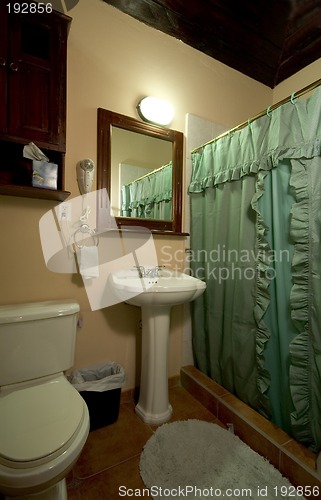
{"points": [[89, 262]]}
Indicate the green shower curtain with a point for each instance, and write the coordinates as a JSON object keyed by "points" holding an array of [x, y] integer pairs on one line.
{"points": [[149, 197], [255, 238]]}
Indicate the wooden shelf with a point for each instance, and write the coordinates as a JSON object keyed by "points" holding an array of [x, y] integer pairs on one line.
{"points": [[34, 192]]}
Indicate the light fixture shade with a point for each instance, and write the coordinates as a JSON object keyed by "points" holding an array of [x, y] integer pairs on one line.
{"points": [[154, 110]]}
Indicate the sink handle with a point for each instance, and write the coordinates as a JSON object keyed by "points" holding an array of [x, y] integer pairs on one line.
{"points": [[141, 271], [158, 269], [152, 272]]}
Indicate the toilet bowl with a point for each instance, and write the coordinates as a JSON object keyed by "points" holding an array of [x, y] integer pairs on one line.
{"points": [[44, 422], [43, 428]]}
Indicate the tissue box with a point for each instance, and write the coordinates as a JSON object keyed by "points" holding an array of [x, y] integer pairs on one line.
{"points": [[44, 174]]}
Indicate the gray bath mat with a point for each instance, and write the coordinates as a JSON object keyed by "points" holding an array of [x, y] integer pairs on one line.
{"points": [[198, 460]]}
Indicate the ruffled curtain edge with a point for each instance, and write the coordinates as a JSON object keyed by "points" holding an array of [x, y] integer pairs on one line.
{"points": [[309, 149], [299, 303], [262, 299]]}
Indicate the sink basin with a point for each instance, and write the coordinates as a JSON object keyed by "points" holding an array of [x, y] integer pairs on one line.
{"points": [[170, 288], [155, 296]]}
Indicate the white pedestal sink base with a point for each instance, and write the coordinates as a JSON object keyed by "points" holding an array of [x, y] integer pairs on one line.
{"points": [[153, 405], [155, 293], [150, 418]]}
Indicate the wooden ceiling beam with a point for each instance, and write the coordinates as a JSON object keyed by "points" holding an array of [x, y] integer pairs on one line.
{"points": [[266, 40]]}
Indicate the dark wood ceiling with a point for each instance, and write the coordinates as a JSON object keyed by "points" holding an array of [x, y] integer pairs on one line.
{"points": [[268, 40]]}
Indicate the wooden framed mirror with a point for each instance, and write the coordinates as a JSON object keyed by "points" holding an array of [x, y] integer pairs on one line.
{"points": [[118, 163]]}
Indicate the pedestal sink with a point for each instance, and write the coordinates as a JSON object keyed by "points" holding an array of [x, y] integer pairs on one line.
{"points": [[155, 294]]}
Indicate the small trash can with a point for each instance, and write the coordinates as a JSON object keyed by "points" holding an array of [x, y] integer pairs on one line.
{"points": [[100, 387]]}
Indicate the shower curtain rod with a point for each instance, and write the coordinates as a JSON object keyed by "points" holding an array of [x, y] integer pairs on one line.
{"points": [[150, 173], [299, 93]]}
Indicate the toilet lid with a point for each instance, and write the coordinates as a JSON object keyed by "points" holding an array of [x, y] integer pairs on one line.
{"points": [[38, 420]]}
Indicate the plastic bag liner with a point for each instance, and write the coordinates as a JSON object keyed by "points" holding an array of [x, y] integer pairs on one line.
{"points": [[100, 387], [98, 378]]}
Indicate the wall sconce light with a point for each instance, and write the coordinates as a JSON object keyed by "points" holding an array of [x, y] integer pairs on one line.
{"points": [[154, 110]]}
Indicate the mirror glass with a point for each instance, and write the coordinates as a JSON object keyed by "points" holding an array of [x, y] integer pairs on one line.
{"points": [[138, 186], [140, 165]]}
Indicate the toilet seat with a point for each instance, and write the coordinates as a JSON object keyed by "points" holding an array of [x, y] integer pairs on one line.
{"points": [[38, 421]]}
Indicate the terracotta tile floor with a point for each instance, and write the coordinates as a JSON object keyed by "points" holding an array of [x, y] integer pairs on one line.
{"points": [[110, 458]]}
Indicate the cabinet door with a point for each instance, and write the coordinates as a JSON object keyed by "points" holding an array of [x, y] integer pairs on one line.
{"points": [[3, 68], [36, 76]]}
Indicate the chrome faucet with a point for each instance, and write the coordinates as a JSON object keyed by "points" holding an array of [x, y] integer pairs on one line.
{"points": [[152, 272]]}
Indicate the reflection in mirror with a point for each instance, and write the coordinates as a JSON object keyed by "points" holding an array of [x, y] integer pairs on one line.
{"points": [[140, 165], [141, 176]]}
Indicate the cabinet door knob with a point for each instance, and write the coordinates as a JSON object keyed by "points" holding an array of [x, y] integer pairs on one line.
{"points": [[14, 67], [3, 62]]}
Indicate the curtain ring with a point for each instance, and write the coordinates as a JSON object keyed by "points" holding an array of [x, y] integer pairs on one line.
{"points": [[268, 111], [249, 121], [292, 98]]}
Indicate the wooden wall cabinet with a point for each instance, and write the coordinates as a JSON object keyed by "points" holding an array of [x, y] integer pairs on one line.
{"points": [[33, 57]]}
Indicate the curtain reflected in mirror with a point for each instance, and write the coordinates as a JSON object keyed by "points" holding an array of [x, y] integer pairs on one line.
{"points": [[149, 196], [141, 170]]}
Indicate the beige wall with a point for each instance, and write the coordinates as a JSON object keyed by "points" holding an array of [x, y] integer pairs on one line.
{"points": [[300, 80], [113, 61]]}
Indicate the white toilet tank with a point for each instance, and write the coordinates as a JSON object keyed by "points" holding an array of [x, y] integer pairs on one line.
{"points": [[36, 339]]}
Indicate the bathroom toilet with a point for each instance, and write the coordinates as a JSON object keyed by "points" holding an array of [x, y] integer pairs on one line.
{"points": [[44, 422]]}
